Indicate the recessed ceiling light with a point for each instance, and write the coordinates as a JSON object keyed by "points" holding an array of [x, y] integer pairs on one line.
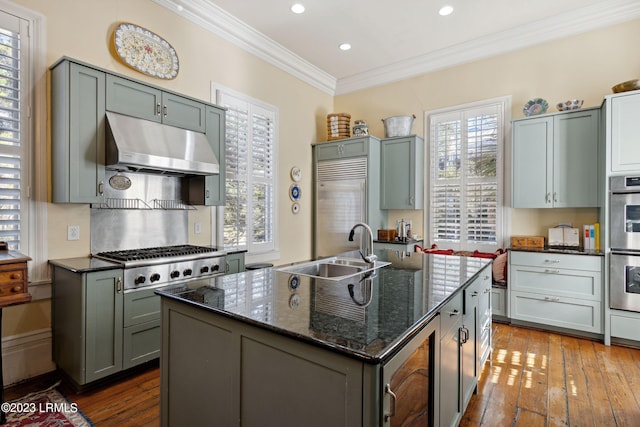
{"points": [[297, 8], [446, 10], [345, 46]]}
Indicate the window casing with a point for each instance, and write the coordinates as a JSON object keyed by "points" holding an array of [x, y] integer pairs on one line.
{"points": [[466, 176], [249, 218]]}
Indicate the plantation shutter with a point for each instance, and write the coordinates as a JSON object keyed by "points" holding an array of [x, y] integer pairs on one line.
{"points": [[465, 178], [249, 214], [13, 148]]}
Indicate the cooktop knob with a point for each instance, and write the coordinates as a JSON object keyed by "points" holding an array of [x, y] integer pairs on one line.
{"points": [[187, 272], [139, 280], [174, 274], [204, 269], [154, 277]]}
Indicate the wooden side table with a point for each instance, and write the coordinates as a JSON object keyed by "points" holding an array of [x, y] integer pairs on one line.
{"points": [[14, 290]]}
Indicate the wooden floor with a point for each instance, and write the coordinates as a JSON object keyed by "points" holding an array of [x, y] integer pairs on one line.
{"points": [[534, 378]]}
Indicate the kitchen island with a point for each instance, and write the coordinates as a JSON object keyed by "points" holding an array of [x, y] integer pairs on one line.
{"points": [[269, 347]]}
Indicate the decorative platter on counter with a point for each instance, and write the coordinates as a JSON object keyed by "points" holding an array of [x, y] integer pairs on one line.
{"points": [[535, 106], [146, 52]]}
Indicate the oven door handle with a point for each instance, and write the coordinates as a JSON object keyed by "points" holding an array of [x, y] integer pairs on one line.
{"points": [[624, 252]]}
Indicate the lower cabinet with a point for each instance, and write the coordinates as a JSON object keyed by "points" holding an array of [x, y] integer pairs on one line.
{"points": [[557, 290], [87, 323], [235, 263], [451, 363], [98, 330]]}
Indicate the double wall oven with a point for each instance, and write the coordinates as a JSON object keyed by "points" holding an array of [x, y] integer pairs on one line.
{"points": [[624, 274]]}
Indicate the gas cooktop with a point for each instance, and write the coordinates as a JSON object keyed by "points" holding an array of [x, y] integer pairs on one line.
{"points": [[168, 252]]}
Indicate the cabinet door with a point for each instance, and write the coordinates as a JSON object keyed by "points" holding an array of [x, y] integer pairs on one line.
{"points": [[410, 379], [133, 99], [575, 159], [79, 176], [354, 147], [625, 133], [235, 263], [400, 178], [532, 160], [183, 112], [450, 401], [103, 324]]}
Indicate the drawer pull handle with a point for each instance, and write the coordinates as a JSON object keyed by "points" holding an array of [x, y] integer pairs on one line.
{"points": [[16, 276], [552, 261], [554, 299], [474, 294], [551, 271], [454, 312], [388, 390]]}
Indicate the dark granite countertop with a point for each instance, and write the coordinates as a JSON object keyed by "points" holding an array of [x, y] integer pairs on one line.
{"points": [[558, 250], [84, 264], [371, 323]]}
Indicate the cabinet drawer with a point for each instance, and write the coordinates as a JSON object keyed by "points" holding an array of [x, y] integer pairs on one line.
{"points": [[625, 325], [450, 314], [141, 343], [140, 307], [7, 289], [569, 313], [12, 276], [552, 260], [557, 282]]}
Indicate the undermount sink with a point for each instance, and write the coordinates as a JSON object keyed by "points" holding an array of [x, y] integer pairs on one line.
{"points": [[333, 268]]}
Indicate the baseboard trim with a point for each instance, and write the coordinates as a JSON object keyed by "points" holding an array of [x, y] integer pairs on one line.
{"points": [[26, 356]]}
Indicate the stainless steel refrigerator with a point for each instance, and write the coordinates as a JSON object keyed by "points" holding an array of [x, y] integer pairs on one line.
{"points": [[346, 193]]}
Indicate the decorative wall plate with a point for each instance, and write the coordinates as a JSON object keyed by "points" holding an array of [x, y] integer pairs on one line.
{"points": [[295, 192], [296, 174], [146, 52]]}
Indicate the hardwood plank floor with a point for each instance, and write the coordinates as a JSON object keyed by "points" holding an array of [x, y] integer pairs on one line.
{"points": [[534, 378], [538, 378]]}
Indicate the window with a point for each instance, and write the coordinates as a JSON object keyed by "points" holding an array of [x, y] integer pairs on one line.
{"points": [[14, 135], [465, 178], [251, 141]]}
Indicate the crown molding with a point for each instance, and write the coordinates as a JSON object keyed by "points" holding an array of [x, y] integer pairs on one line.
{"points": [[219, 22]]}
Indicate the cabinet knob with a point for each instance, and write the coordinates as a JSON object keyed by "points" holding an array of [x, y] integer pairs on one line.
{"points": [[17, 289], [16, 276]]}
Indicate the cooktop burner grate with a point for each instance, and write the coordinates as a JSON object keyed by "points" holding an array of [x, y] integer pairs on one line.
{"points": [[156, 252]]}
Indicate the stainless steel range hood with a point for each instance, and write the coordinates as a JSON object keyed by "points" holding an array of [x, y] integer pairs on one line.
{"points": [[138, 145]]}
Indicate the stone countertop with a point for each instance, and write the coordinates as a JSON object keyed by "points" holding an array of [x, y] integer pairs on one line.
{"points": [[558, 250], [370, 323], [84, 264]]}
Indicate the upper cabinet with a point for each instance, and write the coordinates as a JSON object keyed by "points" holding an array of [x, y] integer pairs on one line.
{"points": [[77, 133], [80, 96], [555, 160], [623, 129], [131, 98], [401, 172], [349, 147]]}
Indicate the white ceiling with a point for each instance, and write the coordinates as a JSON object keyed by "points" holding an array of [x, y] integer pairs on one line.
{"points": [[392, 40]]}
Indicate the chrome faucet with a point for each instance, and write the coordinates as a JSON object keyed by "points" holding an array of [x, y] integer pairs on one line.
{"points": [[371, 257]]}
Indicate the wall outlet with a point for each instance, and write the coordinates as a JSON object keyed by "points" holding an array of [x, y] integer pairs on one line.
{"points": [[73, 232], [197, 228]]}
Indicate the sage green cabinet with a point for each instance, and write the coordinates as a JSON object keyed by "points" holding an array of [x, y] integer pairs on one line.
{"points": [[87, 323], [210, 190], [555, 160], [234, 263], [348, 147], [557, 290], [450, 363], [135, 99], [141, 333], [623, 131], [402, 172], [77, 133]]}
